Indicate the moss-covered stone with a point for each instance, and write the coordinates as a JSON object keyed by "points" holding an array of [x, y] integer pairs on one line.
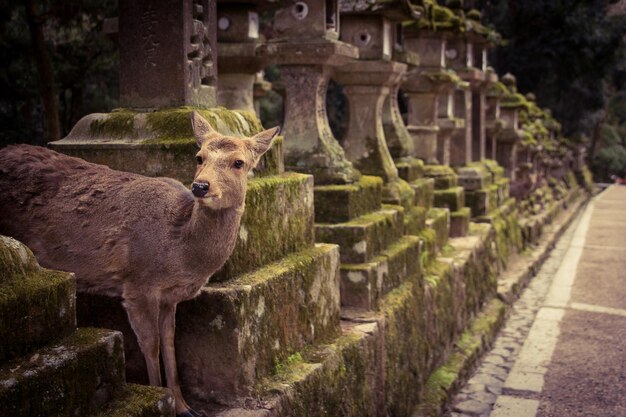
{"points": [[444, 176], [410, 169], [415, 221], [362, 238], [74, 377], [36, 304], [450, 198], [234, 332], [446, 379], [438, 219], [474, 176], [158, 143], [140, 401], [277, 221], [399, 192], [459, 222], [424, 192], [342, 203]]}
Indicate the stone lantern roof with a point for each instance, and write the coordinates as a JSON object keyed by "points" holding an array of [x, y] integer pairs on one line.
{"points": [[393, 9]]}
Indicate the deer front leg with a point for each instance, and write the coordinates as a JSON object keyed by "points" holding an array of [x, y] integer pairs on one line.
{"points": [[167, 324], [143, 315]]}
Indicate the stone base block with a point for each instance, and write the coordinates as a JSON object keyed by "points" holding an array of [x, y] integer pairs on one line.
{"points": [[424, 191], [74, 377], [438, 220], [444, 176], [363, 285], [415, 221], [478, 202], [362, 238], [264, 236], [234, 332], [474, 177], [410, 169], [400, 193], [459, 222], [141, 401], [342, 203], [451, 198], [36, 305]]}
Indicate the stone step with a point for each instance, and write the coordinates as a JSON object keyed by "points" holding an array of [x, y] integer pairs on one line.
{"points": [[36, 304], [415, 220], [264, 235], [444, 176], [140, 401], [474, 176], [451, 198], [400, 193], [382, 360], [424, 189], [366, 236], [438, 220], [410, 169], [75, 376], [342, 203], [363, 285], [234, 332], [459, 222]]}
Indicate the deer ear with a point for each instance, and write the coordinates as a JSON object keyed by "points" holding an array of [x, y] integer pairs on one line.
{"points": [[262, 141], [201, 128]]}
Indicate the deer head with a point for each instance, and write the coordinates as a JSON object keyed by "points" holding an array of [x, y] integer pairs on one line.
{"points": [[224, 163]]}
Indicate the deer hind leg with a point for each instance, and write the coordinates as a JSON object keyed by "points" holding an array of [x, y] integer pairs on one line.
{"points": [[167, 324], [143, 315]]}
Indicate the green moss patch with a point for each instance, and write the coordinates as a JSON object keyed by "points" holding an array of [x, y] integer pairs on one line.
{"points": [[140, 401], [341, 203]]}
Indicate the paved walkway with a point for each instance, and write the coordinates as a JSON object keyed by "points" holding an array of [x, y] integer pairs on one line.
{"points": [[562, 352]]}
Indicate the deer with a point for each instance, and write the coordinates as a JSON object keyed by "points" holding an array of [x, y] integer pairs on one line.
{"points": [[151, 241]]}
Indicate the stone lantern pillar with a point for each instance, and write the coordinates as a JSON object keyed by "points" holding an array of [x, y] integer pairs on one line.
{"points": [[240, 56], [367, 84], [307, 48], [423, 87], [447, 119], [493, 123], [510, 136]]}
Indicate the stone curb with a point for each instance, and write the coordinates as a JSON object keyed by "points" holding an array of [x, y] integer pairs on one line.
{"points": [[520, 270]]}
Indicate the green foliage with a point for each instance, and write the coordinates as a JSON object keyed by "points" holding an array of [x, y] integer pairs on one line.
{"points": [[84, 62]]}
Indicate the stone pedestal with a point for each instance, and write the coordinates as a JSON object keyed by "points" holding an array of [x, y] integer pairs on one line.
{"points": [[461, 141], [307, 49]]}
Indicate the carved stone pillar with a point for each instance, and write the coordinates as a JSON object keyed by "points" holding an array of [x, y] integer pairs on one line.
{"points": [[307, 48]]}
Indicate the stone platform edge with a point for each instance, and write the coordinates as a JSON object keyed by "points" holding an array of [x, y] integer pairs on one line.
{"points": [[446, 380]]}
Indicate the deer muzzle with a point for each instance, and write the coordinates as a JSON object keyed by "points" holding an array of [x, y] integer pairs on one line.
{"points": [[200, 189]]}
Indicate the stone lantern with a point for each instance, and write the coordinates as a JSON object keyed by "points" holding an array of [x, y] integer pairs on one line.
{"points": [[240, 56], [307, 48], [367, 84], [510, 136], [493, 124]]}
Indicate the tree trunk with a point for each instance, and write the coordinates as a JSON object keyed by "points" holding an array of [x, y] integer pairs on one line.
{"points": [[46, 74]]}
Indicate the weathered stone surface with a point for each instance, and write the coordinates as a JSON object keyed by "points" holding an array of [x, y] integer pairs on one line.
{"points": [[341, 203], [159, 143], [444, 176], [424, 192], [167, 68], [438, 219], [36, 304], [451, 198], [266, 236], [234, 332], [410, 169], [459, 222], [75, 376], [141, 401], [364, 237]]}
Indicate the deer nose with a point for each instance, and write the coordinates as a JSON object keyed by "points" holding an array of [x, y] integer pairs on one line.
{"points": [[200, 189]]}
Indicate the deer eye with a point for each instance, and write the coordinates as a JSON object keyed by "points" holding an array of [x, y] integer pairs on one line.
{"points": [[199, 159], [238, 164]]}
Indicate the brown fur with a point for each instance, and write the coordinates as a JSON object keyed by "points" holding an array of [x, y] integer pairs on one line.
{"points": [[147, 240]]}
